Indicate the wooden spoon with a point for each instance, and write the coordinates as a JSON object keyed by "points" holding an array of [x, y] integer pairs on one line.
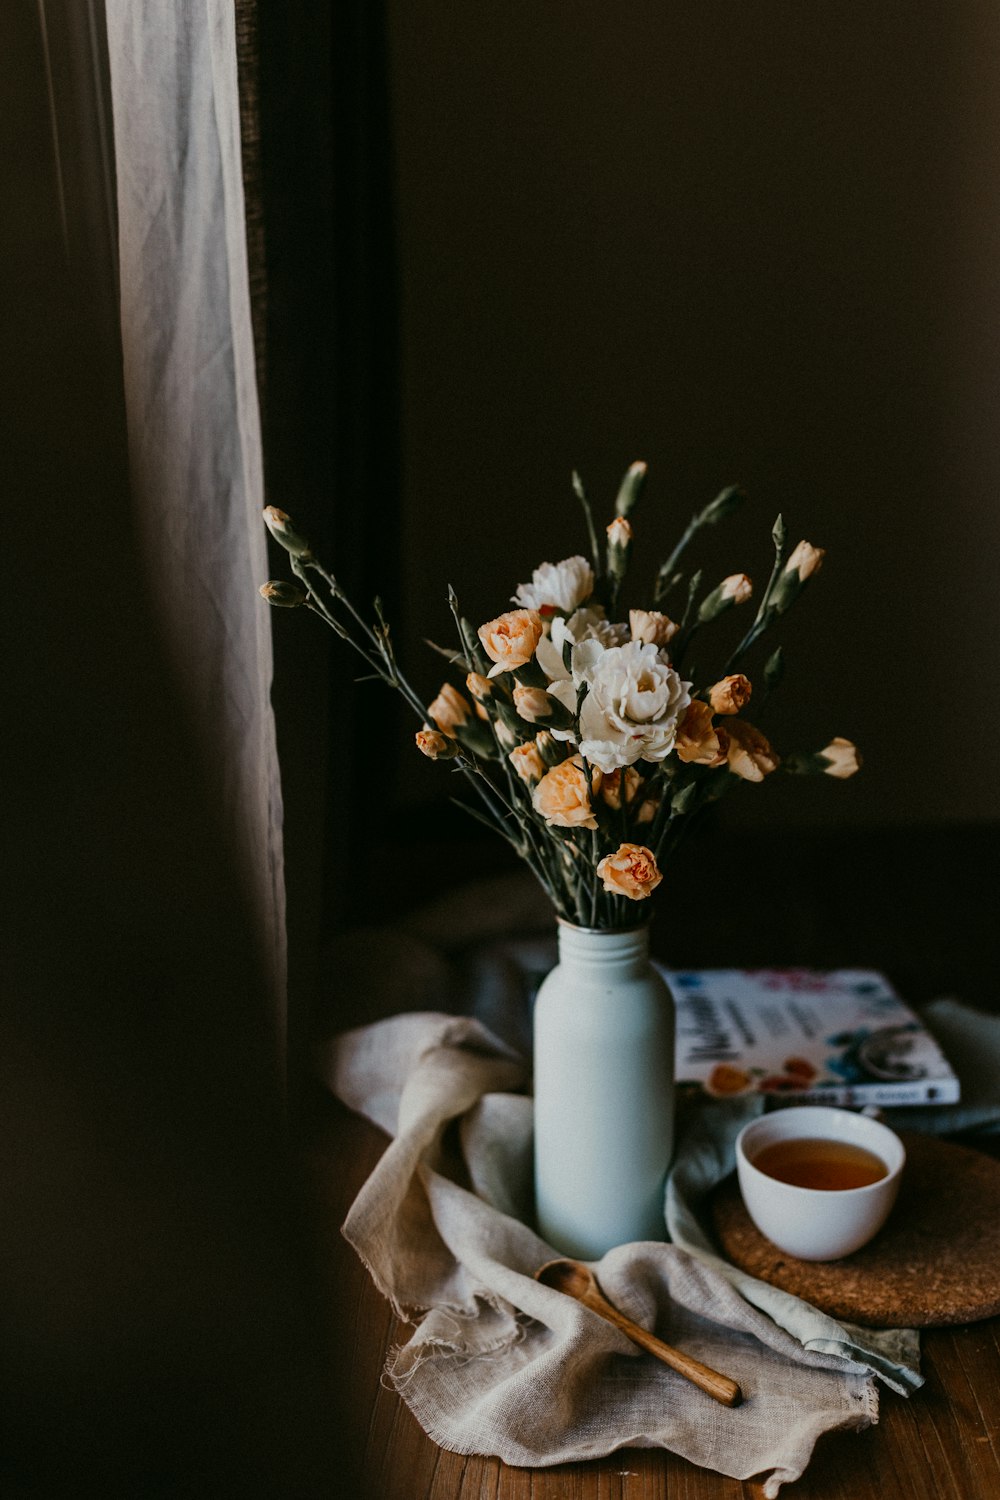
{"points": [[579, 1281]]}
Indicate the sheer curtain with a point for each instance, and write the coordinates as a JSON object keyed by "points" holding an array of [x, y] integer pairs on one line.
{"points": [[193, 419]]}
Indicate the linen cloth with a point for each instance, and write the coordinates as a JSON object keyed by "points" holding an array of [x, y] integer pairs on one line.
{"points": [[191, 401], [501, 1365]]}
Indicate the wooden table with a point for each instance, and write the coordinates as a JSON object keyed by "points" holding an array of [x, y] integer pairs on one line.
{"points": [[920, 906]]}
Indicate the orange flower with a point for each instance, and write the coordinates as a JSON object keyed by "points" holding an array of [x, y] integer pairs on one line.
{"points": [[750, 755], [434, 745], [563, 796], [449, 710], [611, 786], [730, 695], [698, 741], [510, 640], [631, 871], [527, 762]]}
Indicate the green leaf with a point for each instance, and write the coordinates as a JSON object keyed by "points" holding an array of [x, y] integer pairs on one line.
{"points": [[774, 670]]}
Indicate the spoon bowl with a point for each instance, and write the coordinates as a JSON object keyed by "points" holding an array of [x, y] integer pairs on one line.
{"points": [[568, 1276]]}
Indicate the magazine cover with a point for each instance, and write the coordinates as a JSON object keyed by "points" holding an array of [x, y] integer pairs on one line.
{"points": [[843, 1037]]}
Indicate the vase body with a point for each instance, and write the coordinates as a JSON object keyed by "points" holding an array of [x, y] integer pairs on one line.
{"points": [[604, 1093]]}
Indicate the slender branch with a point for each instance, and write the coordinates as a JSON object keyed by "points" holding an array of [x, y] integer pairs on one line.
{"points": [[763, 617]]}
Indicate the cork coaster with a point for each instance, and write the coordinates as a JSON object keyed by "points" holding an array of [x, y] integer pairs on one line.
{"points": [[937, 1260]]}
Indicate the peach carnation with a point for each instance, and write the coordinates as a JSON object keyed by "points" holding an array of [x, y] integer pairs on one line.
{"points": [[563, 796], [510, 640], [631, 871]]}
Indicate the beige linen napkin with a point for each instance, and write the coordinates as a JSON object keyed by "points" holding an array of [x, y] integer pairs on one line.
{"points": [[501, 1365]]}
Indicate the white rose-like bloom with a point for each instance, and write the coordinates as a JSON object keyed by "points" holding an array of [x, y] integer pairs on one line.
{"points": [[584, 625], [562, 586], [633, 707], [588, 633]]}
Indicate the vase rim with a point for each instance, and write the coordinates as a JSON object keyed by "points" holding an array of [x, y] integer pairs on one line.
{"points": [[642, 926]]}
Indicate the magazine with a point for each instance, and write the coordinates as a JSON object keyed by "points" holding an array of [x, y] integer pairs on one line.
{"points": [[841, 1037]]}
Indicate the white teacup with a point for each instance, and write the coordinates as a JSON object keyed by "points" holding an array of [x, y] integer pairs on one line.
{"points": [[818, 1223]]}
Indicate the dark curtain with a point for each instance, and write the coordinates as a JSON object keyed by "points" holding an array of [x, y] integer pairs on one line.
{"points": [[159, 1330]]}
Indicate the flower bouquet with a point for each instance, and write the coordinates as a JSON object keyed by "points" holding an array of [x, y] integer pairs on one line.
{"points": [[587, 745], [582, 741]]}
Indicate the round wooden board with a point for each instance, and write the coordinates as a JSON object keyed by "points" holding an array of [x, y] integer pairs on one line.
{"points": [[937, 1260]]}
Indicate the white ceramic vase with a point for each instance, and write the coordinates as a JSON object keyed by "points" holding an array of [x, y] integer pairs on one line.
{"points": [[604, 1093]]}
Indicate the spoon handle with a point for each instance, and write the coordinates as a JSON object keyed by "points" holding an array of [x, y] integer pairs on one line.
{"points": [[720, 1387]]}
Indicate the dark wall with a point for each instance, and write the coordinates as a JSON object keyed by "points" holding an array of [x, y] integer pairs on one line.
{"points": [[743, 242]]}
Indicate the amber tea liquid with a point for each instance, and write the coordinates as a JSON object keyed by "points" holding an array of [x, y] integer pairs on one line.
{"points": [[829, 1166]]}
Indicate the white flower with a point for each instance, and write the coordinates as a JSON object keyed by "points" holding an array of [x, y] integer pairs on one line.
{"points": [[633, 707], [585, 628], [651, 627], [553, 586]]}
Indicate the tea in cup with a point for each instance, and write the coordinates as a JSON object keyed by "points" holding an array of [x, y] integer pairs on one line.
{"points": [[818, 1182]]}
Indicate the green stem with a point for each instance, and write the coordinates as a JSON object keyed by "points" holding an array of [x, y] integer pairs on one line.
{"points": [[595, 550], [764, 617], [595, 849]]}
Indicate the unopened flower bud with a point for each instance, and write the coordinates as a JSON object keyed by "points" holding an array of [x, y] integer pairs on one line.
{"points": [[648, 810], [841, 757], [619, 547], [434, 745], [651, 627], [750, 755], [527, 763], [804, 561], [630, 489], [283, 595], [730, 695], [533, 704], [449, 710], [284, 533], [736, 589], [480, 688]]}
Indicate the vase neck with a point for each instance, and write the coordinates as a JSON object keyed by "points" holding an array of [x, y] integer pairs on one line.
{"points": [[596, 948]]}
